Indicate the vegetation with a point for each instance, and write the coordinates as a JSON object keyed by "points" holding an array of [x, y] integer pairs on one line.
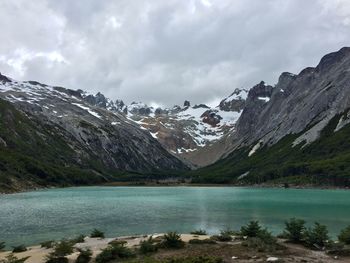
{"points": [[97, 233], [13, 259], [295, 230], [173, 240], [61, 250], [18, 249], [252, 229], [47, 244], [224, 236], [344, 235], [199, 232], [84, 256], [322, 162], [113, 252], [78, 239], [202, 241], [148, 246], [317, 237]]}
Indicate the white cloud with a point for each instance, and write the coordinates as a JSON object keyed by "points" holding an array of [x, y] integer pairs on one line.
{"points": [[164, 52]]}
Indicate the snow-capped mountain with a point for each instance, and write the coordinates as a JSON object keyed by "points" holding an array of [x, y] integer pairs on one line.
{"points": [[93, 134], [182, 130]]}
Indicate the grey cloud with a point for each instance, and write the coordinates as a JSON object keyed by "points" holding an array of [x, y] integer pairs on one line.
{"points": [[167, 51]]}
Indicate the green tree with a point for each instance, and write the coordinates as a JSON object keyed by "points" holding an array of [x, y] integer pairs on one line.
{"points": [[317, 236], [252, 229], [344, 235], [295, 230]]}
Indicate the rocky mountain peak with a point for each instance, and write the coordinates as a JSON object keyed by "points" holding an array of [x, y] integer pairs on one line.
{"points": [[234, 102], [4, 79], [187, 103], [333, 58]]}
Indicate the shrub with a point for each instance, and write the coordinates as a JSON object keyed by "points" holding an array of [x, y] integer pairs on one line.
{"points": [[47, 244], [13, 259], [225, 236], [252, 229], [113, 252], [78, 239], [84, 256], [56, 260], [173, 240], [18, 249], [202, 241], [344, 235], [199, 232], [295, 230], [265, 236], [317, 236], [2, 245], [97, 233], [148, 246], [61, 250]]}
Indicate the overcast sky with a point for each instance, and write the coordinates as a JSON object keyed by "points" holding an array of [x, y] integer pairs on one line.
{"points": [[166, 51]]}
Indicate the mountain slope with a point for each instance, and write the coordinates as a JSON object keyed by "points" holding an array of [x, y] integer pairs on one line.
{"points": [[58, 129], [297, 128]]}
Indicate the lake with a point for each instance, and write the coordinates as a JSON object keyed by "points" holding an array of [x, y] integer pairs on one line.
{"points": [[32, 217]]}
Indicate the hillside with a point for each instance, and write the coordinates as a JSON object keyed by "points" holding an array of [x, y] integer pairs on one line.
{"points": [[299, 134], [51, 136]]}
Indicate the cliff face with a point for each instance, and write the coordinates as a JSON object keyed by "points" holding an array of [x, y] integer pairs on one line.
{"points": [[309, 99]]}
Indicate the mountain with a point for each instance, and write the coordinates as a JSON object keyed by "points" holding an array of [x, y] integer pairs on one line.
{"points": [[296, 131], [54, 136], [188, 131]]}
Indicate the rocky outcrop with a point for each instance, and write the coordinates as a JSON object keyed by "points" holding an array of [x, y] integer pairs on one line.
{"points": [[234, 102], [298, 103]]}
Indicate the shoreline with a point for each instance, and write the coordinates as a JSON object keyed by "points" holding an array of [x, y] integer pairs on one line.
{"points": [[227, 250], [133, 184]]}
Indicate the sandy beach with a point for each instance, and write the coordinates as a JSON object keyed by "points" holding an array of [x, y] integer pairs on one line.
{"points": [[37, 254]]}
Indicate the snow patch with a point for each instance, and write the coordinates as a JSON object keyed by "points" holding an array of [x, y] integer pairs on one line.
{"points": [[95, 114]]}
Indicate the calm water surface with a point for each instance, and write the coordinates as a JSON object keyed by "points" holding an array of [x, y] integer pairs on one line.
{"points": [[32, 217]]}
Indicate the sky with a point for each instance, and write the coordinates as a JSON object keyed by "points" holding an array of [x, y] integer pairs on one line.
{"points": [[162, 52]]}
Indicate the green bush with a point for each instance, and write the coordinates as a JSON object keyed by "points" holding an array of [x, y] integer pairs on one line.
{"points": [[47, 244], [173, 240], [317, 236], [78, 239], [97, 233], [344, 235], [252, 229], [202, 241], [60, 251], [113, 252], [57, 260], [2, 245], [148, 246], [295, 230], [84, 256], [18, 249], [225, 235], [13, 259], [199, 232]]}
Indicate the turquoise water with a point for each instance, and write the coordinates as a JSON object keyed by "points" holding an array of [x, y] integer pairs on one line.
{"points": [[32, 217]]}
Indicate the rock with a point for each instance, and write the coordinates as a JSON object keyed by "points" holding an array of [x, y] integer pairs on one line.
{"points": [[4, 79], [272, 259], [187, 103]]}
